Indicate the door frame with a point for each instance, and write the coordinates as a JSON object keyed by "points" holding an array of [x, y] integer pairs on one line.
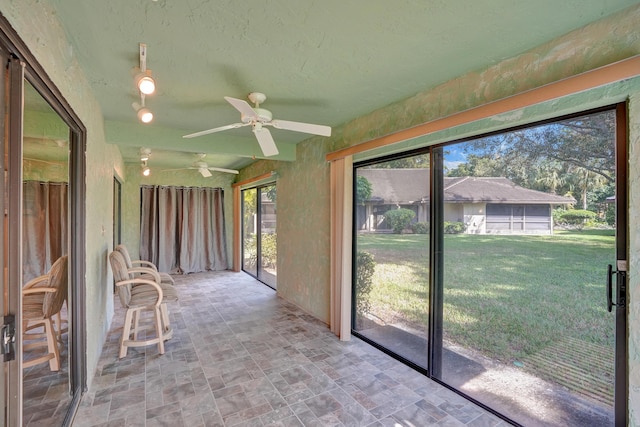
{"points": [[436, 286], [33, 72]]}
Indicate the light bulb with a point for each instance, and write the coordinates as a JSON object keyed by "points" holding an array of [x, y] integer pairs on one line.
{"points": [[146, 171], [147, 85], [145, 115]]}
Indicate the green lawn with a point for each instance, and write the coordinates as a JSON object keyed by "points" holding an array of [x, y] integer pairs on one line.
{"points": [[505, 296]]}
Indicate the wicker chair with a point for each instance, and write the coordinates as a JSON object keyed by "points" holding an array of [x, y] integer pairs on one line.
{"points": [[138, 294], [165, 277], [42, 300]]}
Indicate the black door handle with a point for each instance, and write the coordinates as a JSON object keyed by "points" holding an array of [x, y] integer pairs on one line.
{"points": [[621, 286], [609, 288]]}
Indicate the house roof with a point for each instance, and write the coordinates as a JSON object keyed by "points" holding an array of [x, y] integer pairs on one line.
{"points": [[407, 186], [496, 190]]}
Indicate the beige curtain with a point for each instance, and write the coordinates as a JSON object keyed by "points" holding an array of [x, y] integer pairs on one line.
{"points": [[341, 243], [182, 229], [44, 226]]}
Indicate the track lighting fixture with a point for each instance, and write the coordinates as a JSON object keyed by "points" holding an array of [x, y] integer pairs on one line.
{"points": [[145, 83], [144, 114], [145, 153], [146, 86], [145, 169]]}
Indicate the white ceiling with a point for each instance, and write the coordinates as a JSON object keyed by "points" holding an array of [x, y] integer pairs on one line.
{"points": [[318, 61]]}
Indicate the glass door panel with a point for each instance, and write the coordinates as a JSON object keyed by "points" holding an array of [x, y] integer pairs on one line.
{"points": [[249, 231], [267, 272], [391, 266], [525, 324], [45, 242], [259, 246]]}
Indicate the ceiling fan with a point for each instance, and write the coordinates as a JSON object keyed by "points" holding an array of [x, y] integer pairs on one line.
{"points": [[201, 166], [258, 118]]}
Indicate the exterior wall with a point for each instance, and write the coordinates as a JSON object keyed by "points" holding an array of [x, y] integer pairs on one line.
{"points": [[454, 212], [475, 217]]}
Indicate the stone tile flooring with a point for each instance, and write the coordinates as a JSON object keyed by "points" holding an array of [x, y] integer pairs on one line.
{"points": [[241, 356]]}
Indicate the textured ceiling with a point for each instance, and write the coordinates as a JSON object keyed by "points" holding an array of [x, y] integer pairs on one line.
{"points": [[324, 61]]}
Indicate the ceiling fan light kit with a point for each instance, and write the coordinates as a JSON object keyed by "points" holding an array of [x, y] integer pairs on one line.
{"points": [[258, 118]]}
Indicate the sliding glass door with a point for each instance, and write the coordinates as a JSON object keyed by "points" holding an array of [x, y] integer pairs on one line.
{"points": [[391, 291], [504, 298], [259, 249]]}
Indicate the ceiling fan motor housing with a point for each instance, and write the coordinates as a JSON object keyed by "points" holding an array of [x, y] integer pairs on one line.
{"points": [[264, 116]]}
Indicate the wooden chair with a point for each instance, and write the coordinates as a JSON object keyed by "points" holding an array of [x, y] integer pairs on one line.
{"points": [[165, 277], [42, 300], [137, 295]]}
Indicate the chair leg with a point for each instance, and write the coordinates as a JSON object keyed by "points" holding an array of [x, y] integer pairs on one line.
{"points": [[126, 331], [159, 330], [136, 324], [165, 317], [52, 345]]}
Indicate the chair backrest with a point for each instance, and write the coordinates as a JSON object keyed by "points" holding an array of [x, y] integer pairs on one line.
{"points": [[58, 279], [120, 273], [44, 305], [125, 254]]}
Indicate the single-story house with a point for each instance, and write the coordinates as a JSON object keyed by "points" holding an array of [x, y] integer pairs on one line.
{"points": [[486, 205]]}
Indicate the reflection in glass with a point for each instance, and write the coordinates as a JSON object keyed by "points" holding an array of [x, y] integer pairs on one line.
{"points": [[45, 244]]}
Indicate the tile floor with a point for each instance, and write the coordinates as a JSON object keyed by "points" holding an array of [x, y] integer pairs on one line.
{"points": [[241, 356]]}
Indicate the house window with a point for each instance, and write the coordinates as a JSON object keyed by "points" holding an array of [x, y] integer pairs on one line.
{"points": [[509, 218]]}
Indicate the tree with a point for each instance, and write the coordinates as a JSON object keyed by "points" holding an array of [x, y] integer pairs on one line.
{"points": [[364, 189], [583, 143]]}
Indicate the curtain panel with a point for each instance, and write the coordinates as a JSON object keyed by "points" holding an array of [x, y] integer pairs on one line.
{"points": [[182, 229], [44, 226]]}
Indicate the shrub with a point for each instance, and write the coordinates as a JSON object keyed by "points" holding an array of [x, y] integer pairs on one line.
{"points": [[454, 227], [399, 219], [576, 218], [420, 227], [269, 250], [364, 281]]}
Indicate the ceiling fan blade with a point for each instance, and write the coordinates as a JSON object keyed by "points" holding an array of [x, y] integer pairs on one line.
{"points": [[204, 172], [214, 130], [223, 170], [267, 144], [242, 106], [302, 127], [173, 170]]}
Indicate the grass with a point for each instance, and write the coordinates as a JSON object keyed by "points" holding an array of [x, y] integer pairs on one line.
{"points": [[506, 297]]}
